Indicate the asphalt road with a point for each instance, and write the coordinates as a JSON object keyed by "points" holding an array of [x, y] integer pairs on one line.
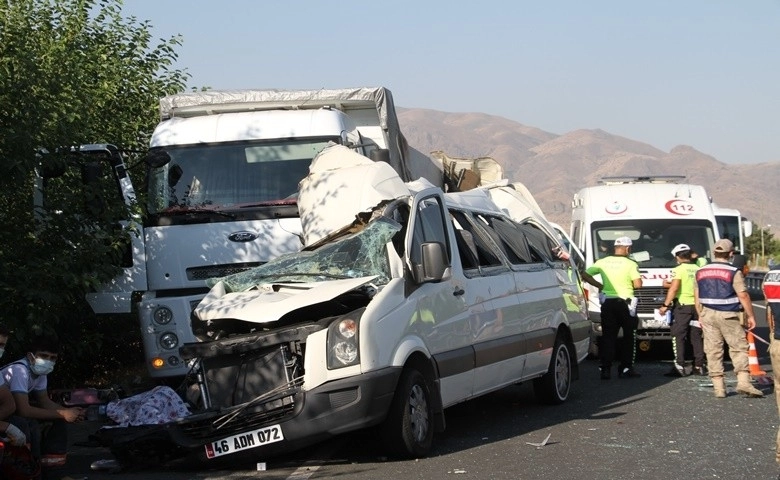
{"points": [[645, 428]]}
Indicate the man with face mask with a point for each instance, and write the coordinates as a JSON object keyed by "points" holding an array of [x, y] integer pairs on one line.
{"points": [[28, 382], [8, 431]]}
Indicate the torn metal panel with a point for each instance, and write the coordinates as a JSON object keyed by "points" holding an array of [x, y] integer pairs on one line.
{"points": [[341, 185]]}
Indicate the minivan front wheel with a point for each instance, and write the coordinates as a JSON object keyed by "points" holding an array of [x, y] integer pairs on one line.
{"points": [[408, 430], [553, 387]]}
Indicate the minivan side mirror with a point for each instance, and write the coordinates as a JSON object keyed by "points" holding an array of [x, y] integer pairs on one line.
{"points": [[433, 263]]}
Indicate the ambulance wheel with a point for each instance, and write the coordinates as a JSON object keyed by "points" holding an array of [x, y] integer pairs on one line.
{"points": [[408, 430], [554, 386]]}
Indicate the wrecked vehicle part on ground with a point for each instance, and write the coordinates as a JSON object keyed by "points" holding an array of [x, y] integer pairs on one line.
{"points": [[453, 300]]}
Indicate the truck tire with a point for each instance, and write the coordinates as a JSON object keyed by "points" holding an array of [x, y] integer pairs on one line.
{"points": [[554, 386], [408, 429]]}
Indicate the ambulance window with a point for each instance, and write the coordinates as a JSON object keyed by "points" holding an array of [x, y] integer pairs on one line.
{"points": [[575, 233]]}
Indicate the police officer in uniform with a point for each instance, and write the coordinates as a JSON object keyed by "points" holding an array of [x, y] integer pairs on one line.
{"points": [[680, 299], [720, 292], [771, 288], [620, 276]]}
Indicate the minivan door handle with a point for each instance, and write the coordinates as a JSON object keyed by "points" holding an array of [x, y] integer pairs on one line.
{"points": [[458, 292]]}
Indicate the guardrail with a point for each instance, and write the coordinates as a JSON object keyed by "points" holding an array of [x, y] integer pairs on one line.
{"points": [[754, 282]]}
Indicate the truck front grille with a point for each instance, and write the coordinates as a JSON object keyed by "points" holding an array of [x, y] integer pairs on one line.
{"points": [[215, 271]]}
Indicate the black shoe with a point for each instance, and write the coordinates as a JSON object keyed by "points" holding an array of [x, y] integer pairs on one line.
{"points": [[628, 372], [605, 373], [699, 371], [675, 372]]}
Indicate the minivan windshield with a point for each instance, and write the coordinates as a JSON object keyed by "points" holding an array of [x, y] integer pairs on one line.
{"points": [[656, 237], [361, 254], [231, 174]]}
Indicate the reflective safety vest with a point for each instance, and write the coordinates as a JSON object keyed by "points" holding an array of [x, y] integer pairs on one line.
{"points": [[716, 290], [771, 288]]}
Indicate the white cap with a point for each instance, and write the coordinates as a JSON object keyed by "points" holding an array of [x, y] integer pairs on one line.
{"points": [[623, 242], [680, 248]]}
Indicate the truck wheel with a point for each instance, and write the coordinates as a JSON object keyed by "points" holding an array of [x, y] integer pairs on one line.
{"points": [[553, 387], [408, 430]]}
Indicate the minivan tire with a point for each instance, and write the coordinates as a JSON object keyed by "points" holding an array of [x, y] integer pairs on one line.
{"points": [[554, 386], [408, 429]]}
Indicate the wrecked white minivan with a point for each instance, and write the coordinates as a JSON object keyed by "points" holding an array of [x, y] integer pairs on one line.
{"points": [[404, 301]]}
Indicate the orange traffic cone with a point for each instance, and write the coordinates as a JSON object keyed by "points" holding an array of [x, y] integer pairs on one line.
{"points": [[755, 368]]}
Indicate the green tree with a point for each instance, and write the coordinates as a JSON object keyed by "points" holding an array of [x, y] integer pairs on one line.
{"points": [[71, 72], [753, 243]]}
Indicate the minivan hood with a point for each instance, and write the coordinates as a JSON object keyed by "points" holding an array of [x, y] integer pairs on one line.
{"points": [[270, 301]]}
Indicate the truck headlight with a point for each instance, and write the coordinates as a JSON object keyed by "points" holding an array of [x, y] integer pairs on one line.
{"points": [[169, 340], [343, 343], [162, 315]]}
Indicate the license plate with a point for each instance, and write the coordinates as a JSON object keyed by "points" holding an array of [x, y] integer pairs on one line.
{"points": [[245, 441]]}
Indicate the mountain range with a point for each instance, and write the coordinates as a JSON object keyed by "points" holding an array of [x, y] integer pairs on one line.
{"points": [[554, 166]]}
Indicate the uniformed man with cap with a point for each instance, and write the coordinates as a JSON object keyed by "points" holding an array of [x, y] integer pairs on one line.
{"points": [[619, 277], [680, 300], [720, 295]]}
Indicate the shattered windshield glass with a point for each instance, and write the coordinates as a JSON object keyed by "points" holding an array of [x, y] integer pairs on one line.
{"points": [[361, 254]]}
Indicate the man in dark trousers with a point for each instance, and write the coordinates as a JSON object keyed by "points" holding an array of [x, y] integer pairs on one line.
{"points": [[680, 299], [720, 291], [619, 277]]}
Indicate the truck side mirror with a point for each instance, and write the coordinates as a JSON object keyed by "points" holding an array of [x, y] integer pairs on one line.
{"points": [[52, 167], [174, 175], [91, 173], [157, 158], [739, 261], [433, 263]]}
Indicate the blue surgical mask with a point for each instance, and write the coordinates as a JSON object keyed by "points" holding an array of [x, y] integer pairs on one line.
{"points": [[42, 367]]}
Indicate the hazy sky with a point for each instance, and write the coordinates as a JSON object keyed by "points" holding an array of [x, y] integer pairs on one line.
{"points": [[704, 73]]}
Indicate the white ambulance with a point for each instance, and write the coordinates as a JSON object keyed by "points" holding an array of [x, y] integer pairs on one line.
{"points": [[657, 213]]}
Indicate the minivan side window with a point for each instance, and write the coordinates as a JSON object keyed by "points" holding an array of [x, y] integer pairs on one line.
{"points": [[474, 238], [541, 244], [509, 237], [428, 227]]}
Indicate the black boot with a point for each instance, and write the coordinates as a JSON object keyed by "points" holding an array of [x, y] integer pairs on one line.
{"points": [[628, 372]]}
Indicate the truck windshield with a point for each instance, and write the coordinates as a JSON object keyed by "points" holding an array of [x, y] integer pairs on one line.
{"points": [[231, 175], [361, 254], [656, 237]]}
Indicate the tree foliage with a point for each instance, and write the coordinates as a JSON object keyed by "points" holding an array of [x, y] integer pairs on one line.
{"points": [[71, 72], [753, 243]]}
